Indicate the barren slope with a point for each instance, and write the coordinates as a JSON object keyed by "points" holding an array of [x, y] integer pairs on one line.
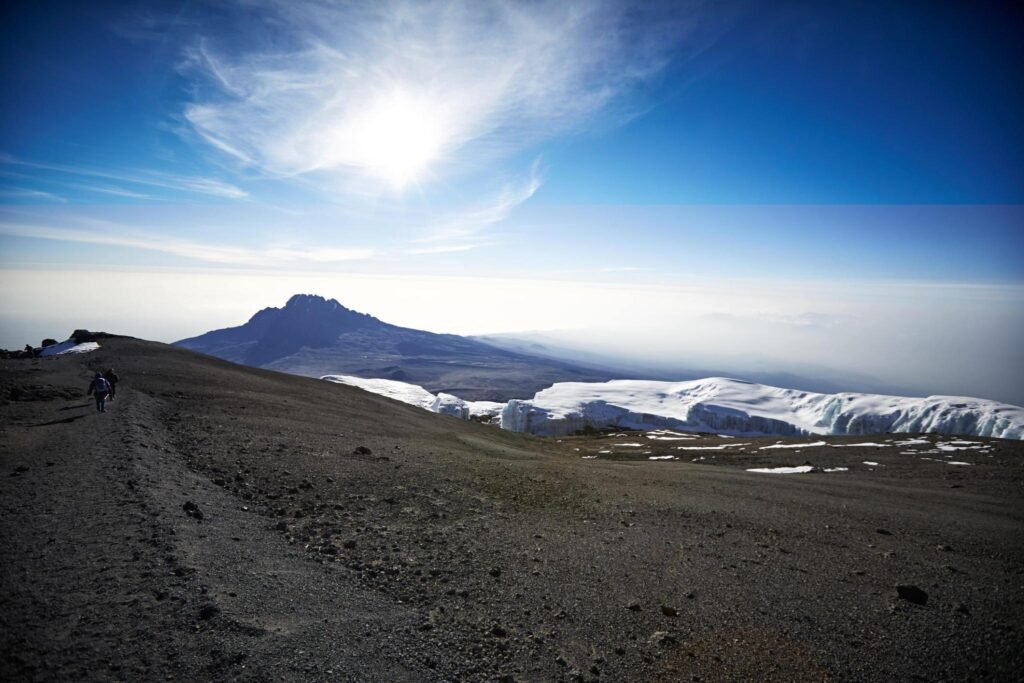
{"points": [[454, 551]]}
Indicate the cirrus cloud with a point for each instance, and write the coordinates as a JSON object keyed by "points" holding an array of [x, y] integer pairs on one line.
{"points": [[394, 91]]}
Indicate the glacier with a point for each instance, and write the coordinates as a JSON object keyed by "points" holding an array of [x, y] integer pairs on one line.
{"points": [[736, 407], [441, 403], [718, 405]]}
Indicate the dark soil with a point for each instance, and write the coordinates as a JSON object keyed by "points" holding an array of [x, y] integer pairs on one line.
{"points": [[222, 523]]}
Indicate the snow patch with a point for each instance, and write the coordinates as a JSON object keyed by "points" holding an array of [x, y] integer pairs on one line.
{"points": [[800, 469], [442, 403], [66, 347]]}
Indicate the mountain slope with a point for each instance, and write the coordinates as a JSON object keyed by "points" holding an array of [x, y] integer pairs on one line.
{"points": [[313, 336], [221, 522]]}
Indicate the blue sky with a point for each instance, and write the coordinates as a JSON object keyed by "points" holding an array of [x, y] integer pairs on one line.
{"points": [[591, 143]]}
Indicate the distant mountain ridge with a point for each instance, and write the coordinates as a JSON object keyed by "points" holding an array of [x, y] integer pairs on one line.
{"points": [[315, 336]]}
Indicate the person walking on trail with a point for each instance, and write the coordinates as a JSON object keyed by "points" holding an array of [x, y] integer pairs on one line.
{"points": [[111, 378], [100, 388]]}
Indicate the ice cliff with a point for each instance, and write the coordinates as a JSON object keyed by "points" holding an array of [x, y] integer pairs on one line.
{"points": [[732, 406], [716, 405]]}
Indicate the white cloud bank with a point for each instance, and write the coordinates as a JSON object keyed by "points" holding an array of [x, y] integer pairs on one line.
{"points": [[927, 339]]}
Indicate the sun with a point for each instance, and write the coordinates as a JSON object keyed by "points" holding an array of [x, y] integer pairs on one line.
{"points": [[396, 137]]}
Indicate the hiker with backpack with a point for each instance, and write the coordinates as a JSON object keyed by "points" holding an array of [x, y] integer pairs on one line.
{"points": [[99, 387], [111, 378]]}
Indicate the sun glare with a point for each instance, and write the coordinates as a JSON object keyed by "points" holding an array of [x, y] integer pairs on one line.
{"points": [[396, 138]]}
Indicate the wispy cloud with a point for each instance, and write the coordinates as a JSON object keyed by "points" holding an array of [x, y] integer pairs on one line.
{"points": [[23, 193], [273, 257], [466, 229], [195, 185], [392, 91]]}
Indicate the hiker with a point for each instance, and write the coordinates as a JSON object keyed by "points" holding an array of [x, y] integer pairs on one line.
{"points": [[100, 388], [111, 378]]}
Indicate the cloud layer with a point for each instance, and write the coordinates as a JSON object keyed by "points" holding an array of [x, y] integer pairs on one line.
{"points": [[388, 92]]}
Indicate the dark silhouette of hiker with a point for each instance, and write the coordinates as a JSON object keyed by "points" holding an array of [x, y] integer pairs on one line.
{"points": [[111, 378], [99, 388]]}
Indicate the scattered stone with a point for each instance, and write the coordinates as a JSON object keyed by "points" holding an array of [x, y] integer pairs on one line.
{"points": [[561, 661], [669, 611], [495, 572], [633, 605], [209, 612], [912, 594], [362, 450], [884, 532], [662, 638], [942, 547], [498, 632], [192, 510]]}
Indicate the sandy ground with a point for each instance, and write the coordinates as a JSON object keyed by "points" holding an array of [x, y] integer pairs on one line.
{"points": [[223, 523]]}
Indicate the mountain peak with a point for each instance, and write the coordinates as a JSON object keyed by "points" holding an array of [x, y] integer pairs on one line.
{"points": [[312, 300]]}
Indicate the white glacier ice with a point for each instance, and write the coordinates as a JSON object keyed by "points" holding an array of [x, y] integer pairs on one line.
{"points": [[445, 404], [728, 407], [737, 407]]}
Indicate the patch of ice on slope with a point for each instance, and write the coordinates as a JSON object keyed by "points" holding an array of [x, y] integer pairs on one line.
{"points": [[413, 394], [800, 469], [66, 347]]}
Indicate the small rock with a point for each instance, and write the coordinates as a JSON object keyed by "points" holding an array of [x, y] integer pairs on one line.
{"points": [[884, 532], [349, 544], [498, 632], [942, 547], [912, 594], [662, 638], [209, 612], [495, 572], [669, 611], [633, 605], [362, 450], [192, 510]]}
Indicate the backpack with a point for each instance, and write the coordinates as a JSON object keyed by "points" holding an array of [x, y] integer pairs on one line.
{"points": [[101, 386]]}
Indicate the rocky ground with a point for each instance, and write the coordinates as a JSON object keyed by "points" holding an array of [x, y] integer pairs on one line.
{"points": [[222, 523]]}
